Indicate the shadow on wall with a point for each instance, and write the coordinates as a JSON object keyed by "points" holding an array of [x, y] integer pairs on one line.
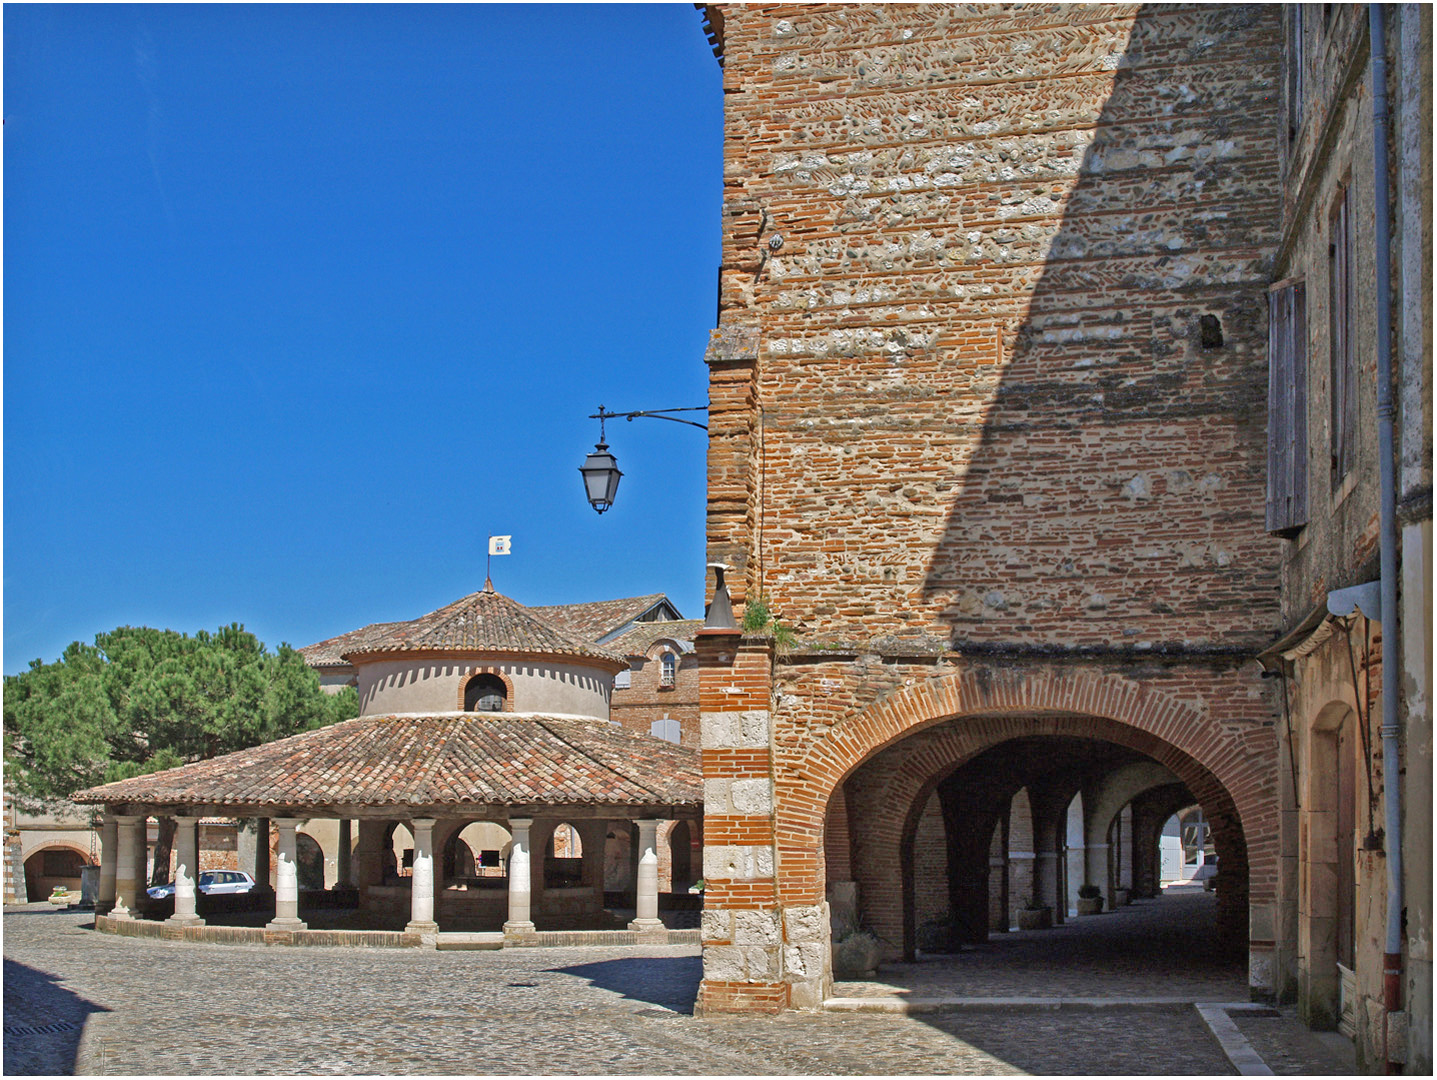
{"points": [[671, 982], [43, 1022], [1114, 492]]}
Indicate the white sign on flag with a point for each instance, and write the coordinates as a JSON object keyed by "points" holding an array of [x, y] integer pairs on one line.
{"points": [[499, 545]]}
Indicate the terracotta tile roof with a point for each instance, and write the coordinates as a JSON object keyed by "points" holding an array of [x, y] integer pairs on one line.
{"points": [[330, 652], [593, 620], [441, 759], [485, 620], [641, 636]]}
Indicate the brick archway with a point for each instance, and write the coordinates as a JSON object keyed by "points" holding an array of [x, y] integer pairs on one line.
{"points": [[1228, 768]]}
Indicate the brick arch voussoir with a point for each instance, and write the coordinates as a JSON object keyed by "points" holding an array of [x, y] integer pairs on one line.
{"points": [[1219, 769]]}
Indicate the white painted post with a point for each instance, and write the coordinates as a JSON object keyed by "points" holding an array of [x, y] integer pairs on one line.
{"points": [[421, 884], [109, 855], [129, 840], [519, 887], [286, 879], [186, 871], [646, 894]]}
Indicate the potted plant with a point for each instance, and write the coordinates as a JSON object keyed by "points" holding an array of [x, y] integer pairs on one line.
{"points": [[1090, 899], [59, 895], [1035, 916]]}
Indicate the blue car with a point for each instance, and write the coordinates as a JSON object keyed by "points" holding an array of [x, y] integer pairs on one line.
{"points": [[211, 883]]}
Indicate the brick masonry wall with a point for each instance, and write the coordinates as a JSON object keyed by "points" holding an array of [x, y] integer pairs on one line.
{"points": [[960, 405], [644, 701]]}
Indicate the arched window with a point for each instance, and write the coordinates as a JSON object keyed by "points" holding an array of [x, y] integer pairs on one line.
{"points": [[668, 665], [484, 693]]}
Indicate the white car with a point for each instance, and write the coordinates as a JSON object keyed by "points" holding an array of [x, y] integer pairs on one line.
{"points": [[211, 883]]}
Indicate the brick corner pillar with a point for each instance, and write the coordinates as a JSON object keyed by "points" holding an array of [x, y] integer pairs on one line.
{"points": [[519, 925], [646, 889], [186, 872], [742, 927], [286, 879]]}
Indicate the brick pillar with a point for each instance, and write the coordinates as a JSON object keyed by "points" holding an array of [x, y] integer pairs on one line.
{"points": [[743, 927]]}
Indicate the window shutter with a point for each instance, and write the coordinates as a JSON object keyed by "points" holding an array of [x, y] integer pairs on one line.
{"points": [[1287, 409]]}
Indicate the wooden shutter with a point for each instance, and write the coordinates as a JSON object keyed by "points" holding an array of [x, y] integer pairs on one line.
{"points": [[1287, 408]]}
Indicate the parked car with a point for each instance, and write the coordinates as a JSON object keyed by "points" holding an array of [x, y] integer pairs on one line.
{"points": [[211, 883]]}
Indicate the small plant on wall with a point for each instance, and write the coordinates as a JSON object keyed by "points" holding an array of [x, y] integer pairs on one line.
{"points": [[758, 618]]}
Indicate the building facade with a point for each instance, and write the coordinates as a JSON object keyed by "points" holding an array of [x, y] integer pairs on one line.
{"points": [[1357, 873], [986, 434], [989, 433]]}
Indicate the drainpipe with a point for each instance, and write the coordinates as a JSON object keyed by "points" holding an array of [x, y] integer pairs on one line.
{"points": [[1392, 961]]}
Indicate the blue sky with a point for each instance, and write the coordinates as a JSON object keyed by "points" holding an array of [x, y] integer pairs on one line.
{"points": [[301, 304]]}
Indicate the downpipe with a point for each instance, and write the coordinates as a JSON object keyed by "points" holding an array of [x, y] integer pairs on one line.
{"points": [[1382, 199]]}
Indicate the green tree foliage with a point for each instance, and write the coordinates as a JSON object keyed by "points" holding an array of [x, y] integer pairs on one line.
{"points": [[139, 700]]}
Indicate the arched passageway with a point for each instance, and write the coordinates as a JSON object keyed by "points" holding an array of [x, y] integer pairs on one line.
{"points": [[947, 846]]}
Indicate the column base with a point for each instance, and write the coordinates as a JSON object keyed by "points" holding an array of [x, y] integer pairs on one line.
{"points": [[651, 929], [519, 931], [286, 924], [119, 911], [184, 920], [428, 932]]}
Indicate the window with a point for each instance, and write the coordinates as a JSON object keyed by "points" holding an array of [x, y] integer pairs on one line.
{"points": [[484, 693], [1343, 351], [623, 680], [668, 666], [1287, 408]]}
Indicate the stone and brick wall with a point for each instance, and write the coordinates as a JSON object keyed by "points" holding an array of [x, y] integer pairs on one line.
{"points": [[986, 415], [646, 700]]}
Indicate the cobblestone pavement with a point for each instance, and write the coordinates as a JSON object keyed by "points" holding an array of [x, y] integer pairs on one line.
{"points": [[1289, 1049], [77, 1001], [1151, 948]]}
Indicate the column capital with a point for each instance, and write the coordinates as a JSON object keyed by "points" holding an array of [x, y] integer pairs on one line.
{"points": [[287, 822], [183, 820], [423, 822], [520, 822], [129, 819]]}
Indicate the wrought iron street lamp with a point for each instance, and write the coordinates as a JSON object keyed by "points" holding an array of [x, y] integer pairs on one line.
{"points": [[600, 470]]}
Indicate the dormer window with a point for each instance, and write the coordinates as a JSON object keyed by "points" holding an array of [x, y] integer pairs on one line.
{"points": [[668, 665], [484, 693]]}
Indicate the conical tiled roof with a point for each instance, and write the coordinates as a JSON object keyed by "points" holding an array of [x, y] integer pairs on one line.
{"points": [[433, 760], [485, 621]]}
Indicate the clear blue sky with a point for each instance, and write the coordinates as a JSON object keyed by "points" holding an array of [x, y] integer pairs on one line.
{"points": [[303, 303]]}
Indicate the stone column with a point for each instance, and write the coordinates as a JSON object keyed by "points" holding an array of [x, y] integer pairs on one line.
{"points": [[186, 872], [261, 855], [343, 869], [1095, 858], [1045, 880], [421, 884], [646, 892], [129, 839], [520, 887], [286, 879], [109, 854], [1125, 848]]}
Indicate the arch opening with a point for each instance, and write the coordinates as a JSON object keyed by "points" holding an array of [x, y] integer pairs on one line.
{"points": [[961, 830]]}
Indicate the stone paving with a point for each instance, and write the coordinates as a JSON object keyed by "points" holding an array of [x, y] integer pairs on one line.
{"points": [[81, 1002], [1159, 948]]}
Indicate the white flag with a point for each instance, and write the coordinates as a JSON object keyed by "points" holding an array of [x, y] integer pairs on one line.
{"points": [[499, 545]]}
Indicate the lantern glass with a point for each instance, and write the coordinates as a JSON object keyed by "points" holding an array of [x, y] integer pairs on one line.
{"points": [[601, 478]]}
